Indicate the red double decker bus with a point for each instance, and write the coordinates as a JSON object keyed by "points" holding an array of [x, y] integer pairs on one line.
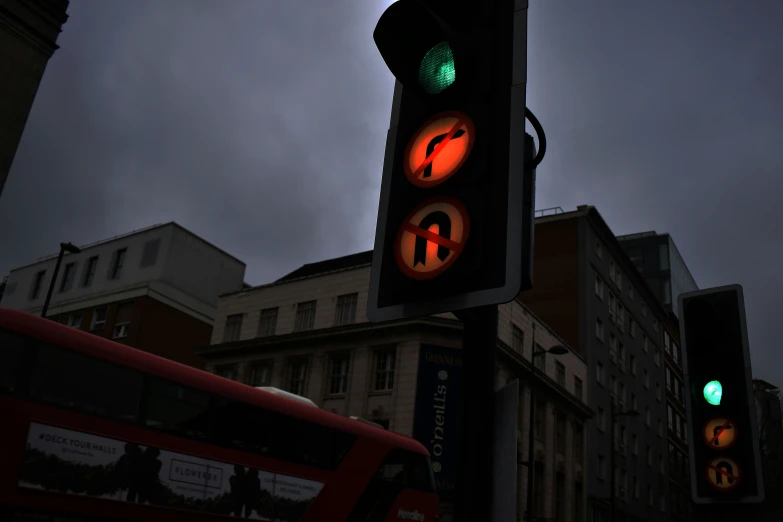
{"points": [[96, 431]]}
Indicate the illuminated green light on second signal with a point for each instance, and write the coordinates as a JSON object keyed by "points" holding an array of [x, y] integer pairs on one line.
{"points": [[436, 71], [713, 391]]}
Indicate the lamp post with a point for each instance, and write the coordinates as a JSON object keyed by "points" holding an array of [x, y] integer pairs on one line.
{"points": [[615, 415], [554, 350], [64, 247]]}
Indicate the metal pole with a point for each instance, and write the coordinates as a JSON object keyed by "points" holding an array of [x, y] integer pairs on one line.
{"points": [[51, 285], [476, 439], [531, 444], [611, 459]]}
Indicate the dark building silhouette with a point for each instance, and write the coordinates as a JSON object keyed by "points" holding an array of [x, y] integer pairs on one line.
{"points": [[768, 411], [28, 38]]}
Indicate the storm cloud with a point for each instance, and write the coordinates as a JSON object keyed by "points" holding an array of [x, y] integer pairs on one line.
{"points": [[260, 125]]}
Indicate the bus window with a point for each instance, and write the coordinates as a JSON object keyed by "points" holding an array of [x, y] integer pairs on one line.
{"points": [[75, 381], [177, 410], [12, 346], [247, 428]]}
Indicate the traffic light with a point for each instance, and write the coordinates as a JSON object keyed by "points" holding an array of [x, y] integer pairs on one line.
{"points": [[455, 217], [724, 443]]}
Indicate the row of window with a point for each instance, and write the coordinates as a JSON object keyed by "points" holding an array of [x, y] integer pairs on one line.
{"points": [[559, 497], [98, 319], [679, 464], [621, 482], [35, 371], [297, 370], [345, 313], [677, 424], [148, 258], [517, 343], [561, 423], [674, 385]]}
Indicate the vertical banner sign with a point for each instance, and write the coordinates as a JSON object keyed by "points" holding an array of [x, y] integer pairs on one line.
{"points": [[437, 408]]}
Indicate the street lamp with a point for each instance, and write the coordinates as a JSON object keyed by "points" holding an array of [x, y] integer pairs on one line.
{"points": [[554, 350], [615, 415], [64, 247]]}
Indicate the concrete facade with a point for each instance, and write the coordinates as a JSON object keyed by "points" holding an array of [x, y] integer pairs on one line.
{"points": [[589, 292], [28, 38], [163, 280], [256, 354]]}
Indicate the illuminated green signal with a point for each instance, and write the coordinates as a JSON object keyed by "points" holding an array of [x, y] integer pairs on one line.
{"points": [[713, 391], [436, 71]]}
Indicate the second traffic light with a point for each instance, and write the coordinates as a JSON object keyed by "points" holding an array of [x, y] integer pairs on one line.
{"points": [[724, 444], [454, 207]]}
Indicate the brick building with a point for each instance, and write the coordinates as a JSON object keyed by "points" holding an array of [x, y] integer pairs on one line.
{"points": [[155, 289], [308, 333]]}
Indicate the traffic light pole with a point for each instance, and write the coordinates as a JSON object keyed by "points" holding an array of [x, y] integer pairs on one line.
{"points": [[475, 473]]}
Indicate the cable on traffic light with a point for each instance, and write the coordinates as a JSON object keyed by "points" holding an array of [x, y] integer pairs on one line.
{"points": [[541, 138]]}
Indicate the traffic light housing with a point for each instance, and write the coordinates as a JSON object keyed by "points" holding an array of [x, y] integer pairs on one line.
{"points": [[724, 444], [456, 209]]}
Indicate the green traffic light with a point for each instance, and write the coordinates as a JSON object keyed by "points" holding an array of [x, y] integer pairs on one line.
{"points": [[713, 391], [436, 71]]}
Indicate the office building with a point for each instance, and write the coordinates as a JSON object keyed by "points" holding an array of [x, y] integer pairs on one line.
{"points": [[591, 294], [28, 38], [308, 333], [155, 289]]}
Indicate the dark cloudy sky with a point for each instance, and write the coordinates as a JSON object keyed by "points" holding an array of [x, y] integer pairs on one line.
{"points": [[260, 125]]}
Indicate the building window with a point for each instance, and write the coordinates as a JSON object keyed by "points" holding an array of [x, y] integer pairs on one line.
{"points": [[647, 417], [667, 342], [118, 263], [75, 320], [540, 416], [267, 324], [305, 316], [67, 281], [634, 444], [227, 371], [149, 255], [660, 428], [611, 270], [599, 249], [346, 309], [233, 328], [560, 374], [601, 467], [538, 487], [35, 291], [649, 455], [384, 370], [649, 495], [599, 329], [296, 381], [517, 338], [599, 286], [261, 374], [601, 419], [630, 291], [633, 364], [538, 361], [338, 378], [612, 347], [122, 321], [645, 343], [612, 307], [670, 416], [655, 325], [646, 379], [635, 482], [560, 432], [622, 395], [620, 316], [579, 433], [89, 271], [668, 379], [644, 309], [98, 318], [618, 279], [658, 393], [578, 388], [663, 256], [599, 373], [560, 497], [657, 356], [634, 403], [632, 327], [676, 353]]}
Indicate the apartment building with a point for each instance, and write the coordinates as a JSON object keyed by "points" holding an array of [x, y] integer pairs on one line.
{"points": [[155, 289], [660, 263], [28, 38], [308, 333], [591, 294], [768, 413]]}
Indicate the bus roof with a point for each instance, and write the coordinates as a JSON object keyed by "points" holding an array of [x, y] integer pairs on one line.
{"points": [[101, 348]]}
